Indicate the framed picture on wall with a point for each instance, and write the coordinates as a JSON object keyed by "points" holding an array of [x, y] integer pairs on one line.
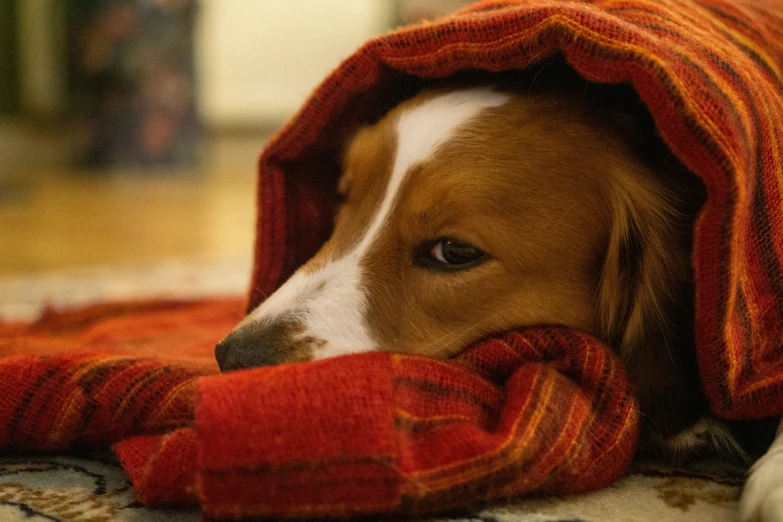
{"points": [[131, 82]]}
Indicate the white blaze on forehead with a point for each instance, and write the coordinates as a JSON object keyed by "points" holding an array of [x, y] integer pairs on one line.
{"points": [[330, 302], [420, 131]]}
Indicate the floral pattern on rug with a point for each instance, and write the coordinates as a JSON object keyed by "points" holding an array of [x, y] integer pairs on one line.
{"points": [[61, 488]]}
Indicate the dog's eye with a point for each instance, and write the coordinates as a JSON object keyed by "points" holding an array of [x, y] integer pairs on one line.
{"points": [[450, 254]]}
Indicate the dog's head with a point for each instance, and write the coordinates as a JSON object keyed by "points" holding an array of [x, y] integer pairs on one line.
{"points": [[472, 211]]}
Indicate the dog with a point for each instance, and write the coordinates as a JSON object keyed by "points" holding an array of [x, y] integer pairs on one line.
{"points": [[475, 208]]}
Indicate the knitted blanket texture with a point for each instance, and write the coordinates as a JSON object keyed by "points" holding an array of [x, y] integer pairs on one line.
{"points": [[544, 409]]}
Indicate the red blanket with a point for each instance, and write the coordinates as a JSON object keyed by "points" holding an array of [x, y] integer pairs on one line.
{"points": [[540, 410]]}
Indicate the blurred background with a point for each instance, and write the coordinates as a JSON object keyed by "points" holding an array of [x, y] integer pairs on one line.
{"points": [[129, 131]]}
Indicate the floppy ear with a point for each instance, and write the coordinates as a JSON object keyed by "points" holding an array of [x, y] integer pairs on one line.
{"points": [[643, 265], [645, 297]]}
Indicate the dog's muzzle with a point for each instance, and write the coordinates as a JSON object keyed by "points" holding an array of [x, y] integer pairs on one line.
{"points": [[263, 343]]}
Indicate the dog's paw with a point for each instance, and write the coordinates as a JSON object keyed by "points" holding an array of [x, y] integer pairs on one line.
{"points": [[762, 496]]}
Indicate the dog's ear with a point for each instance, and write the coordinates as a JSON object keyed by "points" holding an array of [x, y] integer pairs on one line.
{"points": [[645, 297], [643, 263]]}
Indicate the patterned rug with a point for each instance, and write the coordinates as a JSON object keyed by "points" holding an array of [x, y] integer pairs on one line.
{"points": [[68, 489], [57, 488]]}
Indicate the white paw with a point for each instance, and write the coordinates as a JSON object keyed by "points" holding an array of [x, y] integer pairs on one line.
{"points": [[762, 496]]}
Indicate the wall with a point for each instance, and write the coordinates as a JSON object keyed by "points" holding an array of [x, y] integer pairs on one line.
{"points": [[41, 38], [258, 60]]}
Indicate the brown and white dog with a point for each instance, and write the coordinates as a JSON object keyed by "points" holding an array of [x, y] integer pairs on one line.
{"points": [[473, 210]]}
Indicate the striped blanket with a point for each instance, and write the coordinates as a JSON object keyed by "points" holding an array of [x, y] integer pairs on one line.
{"points": [[544, 409]]}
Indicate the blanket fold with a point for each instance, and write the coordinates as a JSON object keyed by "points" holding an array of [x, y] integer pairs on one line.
{"points": [[545, 409], [382, 433]]}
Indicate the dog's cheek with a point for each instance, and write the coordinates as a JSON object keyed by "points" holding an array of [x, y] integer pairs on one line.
{"points": [[454, 309]]}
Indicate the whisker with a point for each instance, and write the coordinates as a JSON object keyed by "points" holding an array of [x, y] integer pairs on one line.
{"points": [[458, 333]]}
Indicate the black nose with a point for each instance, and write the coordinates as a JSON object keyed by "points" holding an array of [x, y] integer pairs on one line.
{"points": [[254, 344]]}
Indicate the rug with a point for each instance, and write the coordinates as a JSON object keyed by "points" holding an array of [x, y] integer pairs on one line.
{"points": [[71, 489]]}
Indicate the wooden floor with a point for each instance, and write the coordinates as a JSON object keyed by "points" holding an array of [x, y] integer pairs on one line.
{"points": [[55, 218]]}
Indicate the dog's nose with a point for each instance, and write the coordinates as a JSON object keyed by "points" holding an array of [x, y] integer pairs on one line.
{"points": [[248, 346]]}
